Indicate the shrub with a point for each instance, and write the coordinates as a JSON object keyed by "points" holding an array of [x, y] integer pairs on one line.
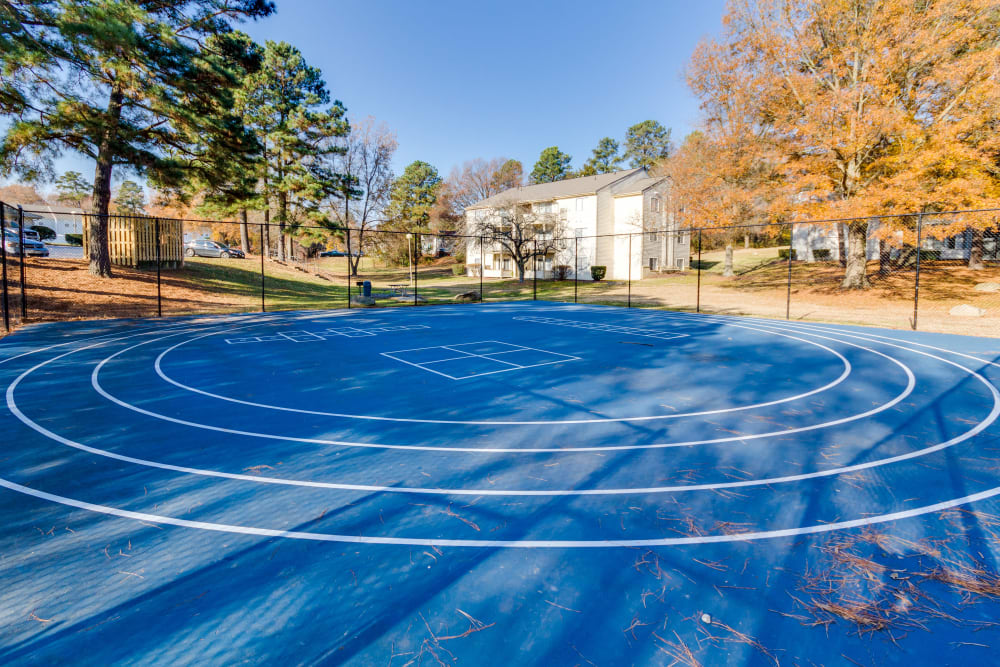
{"points": [[561, 272], [598, 272], [821, 254], [44, 233], [74, 239], [783, 254], [458, 269]]}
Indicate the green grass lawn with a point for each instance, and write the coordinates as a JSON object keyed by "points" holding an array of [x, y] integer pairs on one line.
{"points": [[744, 259]]}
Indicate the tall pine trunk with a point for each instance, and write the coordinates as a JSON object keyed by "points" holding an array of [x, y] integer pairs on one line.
{"points": [[97, 239], [282, 213], [855, 273], [266, 241], [244, 233]]}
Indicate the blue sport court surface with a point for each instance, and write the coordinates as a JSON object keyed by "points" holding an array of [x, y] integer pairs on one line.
{"points": [[533, 483]]}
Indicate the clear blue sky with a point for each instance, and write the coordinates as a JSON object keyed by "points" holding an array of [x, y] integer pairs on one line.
{"points": [[479, 78]]}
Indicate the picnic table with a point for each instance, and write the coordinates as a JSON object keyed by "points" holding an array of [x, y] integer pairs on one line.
{"points": [[398, 288]]}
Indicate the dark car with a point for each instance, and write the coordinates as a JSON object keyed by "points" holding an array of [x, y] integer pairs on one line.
{"points": [[338, 253], [209, 248]]}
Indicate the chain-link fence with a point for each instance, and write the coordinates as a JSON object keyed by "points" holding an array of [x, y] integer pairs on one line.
{"points": [[931, 271]]}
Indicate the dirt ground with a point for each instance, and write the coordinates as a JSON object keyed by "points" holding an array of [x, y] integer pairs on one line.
{"points": [[62, 289]]}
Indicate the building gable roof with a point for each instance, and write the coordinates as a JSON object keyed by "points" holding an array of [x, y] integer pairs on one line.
{"points": [[640, 186], [571, 187]]}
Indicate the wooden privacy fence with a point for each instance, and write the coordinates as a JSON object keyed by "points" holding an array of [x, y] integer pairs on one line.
{"points": [[132, 240]]}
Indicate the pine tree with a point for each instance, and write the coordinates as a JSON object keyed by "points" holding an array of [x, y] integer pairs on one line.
{"points": [[412, 197], [605, 158], [125, 83], [130, 199], [73, 188], [552, 165], [284, 106], [647, 143]]}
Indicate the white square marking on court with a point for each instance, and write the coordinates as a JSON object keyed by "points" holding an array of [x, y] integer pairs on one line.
{"points": [[462, 361]]}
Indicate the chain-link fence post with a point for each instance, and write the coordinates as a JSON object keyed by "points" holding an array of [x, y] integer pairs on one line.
{"points": [[416, 268], [697, 297], [788, 290], [3, 257], [534, 272], [159, 292], [348, 258], [916, 277], [263, 252], [576, 266], [20, 234], [482, 270], [629, 270]]}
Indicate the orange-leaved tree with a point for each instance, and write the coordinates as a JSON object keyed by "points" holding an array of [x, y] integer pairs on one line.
{"points": [[728, 173], [859, 94]]}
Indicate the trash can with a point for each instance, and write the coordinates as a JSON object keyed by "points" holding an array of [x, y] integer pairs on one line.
{"points": [[366, 288]]}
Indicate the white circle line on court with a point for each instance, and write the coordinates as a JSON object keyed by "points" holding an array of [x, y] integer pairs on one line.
{"points": [[498, 492], [910, 385], [501, 422], [802, 530], [520, 544]]}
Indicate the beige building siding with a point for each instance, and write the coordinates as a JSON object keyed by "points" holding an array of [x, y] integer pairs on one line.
{"points": [[603, 211]]}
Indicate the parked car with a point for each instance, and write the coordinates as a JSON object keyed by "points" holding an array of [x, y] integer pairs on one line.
{"points": [[32, 247], [29, 234], [209, 248], [339, 253]]}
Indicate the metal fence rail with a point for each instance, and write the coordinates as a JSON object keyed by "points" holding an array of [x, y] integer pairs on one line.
{"points": [[934, 271]]}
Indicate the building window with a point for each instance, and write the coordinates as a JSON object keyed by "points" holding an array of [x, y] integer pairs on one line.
{"points": [[654, 205], [952, 243], [654, 263], [580, 231], [653, 236], [680, 264], [506, 263], [680, 239]]}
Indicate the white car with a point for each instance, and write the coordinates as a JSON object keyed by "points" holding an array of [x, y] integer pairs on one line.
{"points": [[32, 246]]}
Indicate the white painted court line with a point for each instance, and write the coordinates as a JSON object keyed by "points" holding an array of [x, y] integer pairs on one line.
{"points": [[982, 425], [843, 376], [325, 334], [597, 326], [801, 530], [423, 365], [514, 544], [911, 384]]}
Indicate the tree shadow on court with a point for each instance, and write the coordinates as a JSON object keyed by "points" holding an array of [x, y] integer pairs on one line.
{"points": [[202, 596]]}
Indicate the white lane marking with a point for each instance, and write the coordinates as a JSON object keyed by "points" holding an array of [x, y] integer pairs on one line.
{"points": [[597, 326], [327, 334], [157, 366], [498, 492], [911, 383], [489, 356], [516, 544], [169, 327], [520, 543]]}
